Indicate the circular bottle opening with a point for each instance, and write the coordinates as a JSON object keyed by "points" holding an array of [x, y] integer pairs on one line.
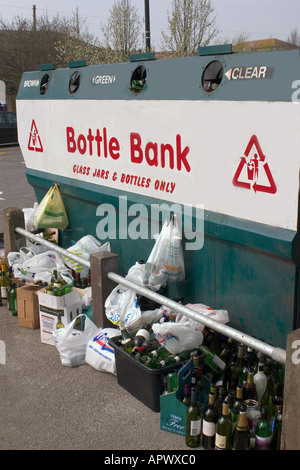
{"points": [[212, 76], [138, 79], [44, 84], [74, 82]]}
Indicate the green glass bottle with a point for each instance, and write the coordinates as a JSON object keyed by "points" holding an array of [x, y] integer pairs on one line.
{"points": [[235, 411], [126, 340], [13, 300], [59, 323], [223, 429], [209, 424], [237, 368], [151, 362], [170, 360], [193, 422], [276, 436], [241, 433], [263, 432], [160, 352]]}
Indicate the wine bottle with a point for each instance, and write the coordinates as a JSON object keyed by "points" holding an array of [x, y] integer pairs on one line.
{"points": [[241, 434], [209, 424], [59, 323], [263, 432], [3, 283], [175, 359], [249, 390], [236, 370], [221, 393], [237, 404], [187, 394], [260, 380], [13, 300], [276, 436], [267, 399], [193, 422], [143, 334], [126, 339], [226, 352], [223, 429]]}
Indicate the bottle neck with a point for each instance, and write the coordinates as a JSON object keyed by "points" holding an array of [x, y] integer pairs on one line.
{"points": [[242, 423]]}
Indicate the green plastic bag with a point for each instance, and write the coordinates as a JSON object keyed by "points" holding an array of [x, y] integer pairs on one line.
{"points": [[51, 212]]}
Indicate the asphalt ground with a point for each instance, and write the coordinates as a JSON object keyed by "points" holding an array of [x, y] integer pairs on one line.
{"points": [[47, 406]]}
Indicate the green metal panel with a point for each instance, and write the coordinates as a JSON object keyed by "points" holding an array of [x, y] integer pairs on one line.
{"points": [[243, 267], [178, 79]]}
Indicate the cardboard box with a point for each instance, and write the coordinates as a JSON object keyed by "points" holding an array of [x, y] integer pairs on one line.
{"points": [[53, 309], [172, 410], [28, 306]]}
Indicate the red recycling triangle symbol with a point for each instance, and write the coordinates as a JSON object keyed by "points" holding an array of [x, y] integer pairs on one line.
{"points": [[253, 171], [34, 142]]}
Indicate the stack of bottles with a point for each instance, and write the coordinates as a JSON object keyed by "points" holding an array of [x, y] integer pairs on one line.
{"points": [[8, 288], [57, 286], [145, 348], [243, 409]]}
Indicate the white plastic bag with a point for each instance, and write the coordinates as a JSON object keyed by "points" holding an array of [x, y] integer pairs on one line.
{"points": [[71, 343], [166, 262], [99, 354], [177, 337], [121, 304], [218, 315], [84, 248], [39, 267]]}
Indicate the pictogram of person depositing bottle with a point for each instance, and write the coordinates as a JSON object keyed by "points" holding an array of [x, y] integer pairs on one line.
{"points": [[253, 172]]}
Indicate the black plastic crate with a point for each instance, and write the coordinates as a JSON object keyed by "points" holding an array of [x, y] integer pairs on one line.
{"points": [[143, 383]]}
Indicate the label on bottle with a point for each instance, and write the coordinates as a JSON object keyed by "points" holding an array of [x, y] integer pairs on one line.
{"points": [[262, 443], [3, 292], [220, 441], [195, 427], [209, 428], [144, 333]]}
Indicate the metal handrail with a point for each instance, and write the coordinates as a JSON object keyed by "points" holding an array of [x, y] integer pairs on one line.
{"points": [[278, 354]]}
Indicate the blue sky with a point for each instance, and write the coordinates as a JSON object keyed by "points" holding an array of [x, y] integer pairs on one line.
{"points": [[258, 19]]}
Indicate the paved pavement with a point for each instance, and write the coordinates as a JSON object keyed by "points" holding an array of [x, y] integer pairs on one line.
{"points": [[47, 406]]}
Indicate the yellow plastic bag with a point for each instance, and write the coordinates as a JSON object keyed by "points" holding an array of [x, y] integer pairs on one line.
{"points": [[51, 212]]}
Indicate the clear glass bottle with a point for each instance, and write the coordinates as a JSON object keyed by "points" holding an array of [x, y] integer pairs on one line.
{"points": [[260, 380], [193, 422], [267, 399]]}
